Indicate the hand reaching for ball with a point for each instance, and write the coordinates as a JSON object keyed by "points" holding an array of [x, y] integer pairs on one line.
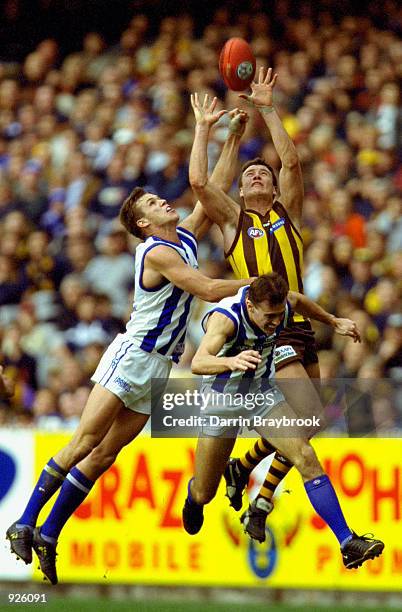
{"points": [[205, 113], [262, 89]]}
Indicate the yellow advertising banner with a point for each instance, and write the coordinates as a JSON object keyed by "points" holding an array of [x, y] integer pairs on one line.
{"points": [[129, 528]]}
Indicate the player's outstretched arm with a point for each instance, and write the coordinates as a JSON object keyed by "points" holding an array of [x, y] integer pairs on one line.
{"points": [[205, 360], [290, 176], [223, 174], [219, 207], [167, 262], [306, 307]]}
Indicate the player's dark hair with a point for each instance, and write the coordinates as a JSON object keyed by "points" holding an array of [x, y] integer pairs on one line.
{"points": [[130, 212], [257, 161], [270, 288]]}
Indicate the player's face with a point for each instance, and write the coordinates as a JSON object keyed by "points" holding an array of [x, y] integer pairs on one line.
{"points": [[256, 180], [265, 316], [156, 211]]}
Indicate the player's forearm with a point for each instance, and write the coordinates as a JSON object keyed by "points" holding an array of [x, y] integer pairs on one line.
{"points": [[225, 169], [308, 308], [209, 364], [220, 288], [283, 144], [198, 167]]}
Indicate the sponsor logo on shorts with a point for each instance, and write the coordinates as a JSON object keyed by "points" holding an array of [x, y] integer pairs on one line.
{"points": [[255, 232], [277, 225], [283, 352], [122, 383]]}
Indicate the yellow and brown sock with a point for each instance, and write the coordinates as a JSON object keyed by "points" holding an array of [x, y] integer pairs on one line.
{"points": [[261, 449], [279, 467]]}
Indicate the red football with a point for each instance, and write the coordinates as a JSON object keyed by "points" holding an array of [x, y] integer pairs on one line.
{"points": [[237, 64]]}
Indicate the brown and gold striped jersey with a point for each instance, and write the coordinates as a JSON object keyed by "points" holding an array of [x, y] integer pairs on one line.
{"points": [[268, 243]]}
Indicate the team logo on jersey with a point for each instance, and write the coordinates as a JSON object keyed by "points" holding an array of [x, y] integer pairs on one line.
{"points": [[277, 225], [244, 70], [255, 232]]}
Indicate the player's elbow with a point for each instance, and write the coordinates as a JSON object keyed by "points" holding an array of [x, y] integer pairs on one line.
{"points": [[291, 161], [196, 365], [198, 182], [206, 290]]}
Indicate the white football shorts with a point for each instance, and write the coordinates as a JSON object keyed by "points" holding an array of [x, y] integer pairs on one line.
{"points": [[127, 371]]}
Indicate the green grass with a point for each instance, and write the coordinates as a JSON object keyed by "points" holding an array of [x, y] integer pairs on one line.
{"points": [[69, 604]]}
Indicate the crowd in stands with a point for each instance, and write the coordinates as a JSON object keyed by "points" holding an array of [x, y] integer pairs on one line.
{"points": [[79, 131]]}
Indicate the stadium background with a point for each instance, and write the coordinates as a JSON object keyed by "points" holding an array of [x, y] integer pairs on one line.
{"points": [[94, 99]]}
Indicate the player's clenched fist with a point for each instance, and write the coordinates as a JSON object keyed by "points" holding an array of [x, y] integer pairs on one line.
{"points": [[246, 360]]}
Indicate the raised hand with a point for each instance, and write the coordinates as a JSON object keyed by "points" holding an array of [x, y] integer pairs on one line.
{"points": [[238, 121], [205, 113], [346, 327], [262, 89]]}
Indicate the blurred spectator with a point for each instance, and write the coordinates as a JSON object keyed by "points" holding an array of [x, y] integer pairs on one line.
{"points": [[112, 271]]}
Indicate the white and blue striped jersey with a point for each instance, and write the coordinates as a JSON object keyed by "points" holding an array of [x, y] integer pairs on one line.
{"points": [[160, 315], [247, 336]]}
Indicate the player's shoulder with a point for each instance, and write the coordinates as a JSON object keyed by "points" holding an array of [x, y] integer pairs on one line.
{"points": [[161, 252]]}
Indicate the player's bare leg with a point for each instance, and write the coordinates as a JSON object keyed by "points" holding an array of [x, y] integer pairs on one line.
{"points": [[78, 483], [355, 549], [99, 413], [211, 456], [297, 385]]}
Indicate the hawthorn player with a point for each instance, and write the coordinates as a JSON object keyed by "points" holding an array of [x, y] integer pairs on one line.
{"points": [[261, 237]]}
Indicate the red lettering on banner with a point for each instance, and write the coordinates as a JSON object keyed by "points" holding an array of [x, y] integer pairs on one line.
{"points": [[396, 567], [111, 554], [324, 554], [194, 556], [375, 566], [136, 555], [346, 462], [170, 558], [156, 558], [109, 485], [82, 554], [85, 510], [141, 487], [191, 456], [317, 522], [168, 518], [392, 493]]}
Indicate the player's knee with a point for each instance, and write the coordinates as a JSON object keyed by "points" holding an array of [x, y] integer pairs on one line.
{"points": [[83, 446], [306, 461], [101, 460], [201, 496]]}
